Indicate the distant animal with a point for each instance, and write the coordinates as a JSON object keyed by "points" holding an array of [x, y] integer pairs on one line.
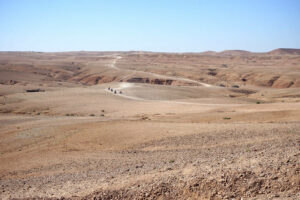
{"points": [[115, 92], [120, 92]]}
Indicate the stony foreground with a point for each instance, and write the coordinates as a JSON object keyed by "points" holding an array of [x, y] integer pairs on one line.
{"points": [[225, 161]]}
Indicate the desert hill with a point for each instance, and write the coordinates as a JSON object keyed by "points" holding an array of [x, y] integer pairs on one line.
{"points": [[149, 125], [234, 52], [227, 68], [285, 51]]}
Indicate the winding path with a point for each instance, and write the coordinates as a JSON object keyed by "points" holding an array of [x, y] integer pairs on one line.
{"points": [[113, 65], [128, 85], [125, 85]]}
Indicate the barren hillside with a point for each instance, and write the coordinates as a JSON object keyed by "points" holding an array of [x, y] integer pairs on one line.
{"points": [[147, 125]]}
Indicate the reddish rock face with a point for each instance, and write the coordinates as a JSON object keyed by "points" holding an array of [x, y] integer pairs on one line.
{"points": [[138, 80], [159, 81], [283, 84]]}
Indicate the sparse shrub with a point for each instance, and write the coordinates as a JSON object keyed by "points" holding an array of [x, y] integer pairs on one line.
{"points": [[212, 73], [171, 161], [227, 118], [248, 149], [92, 115], [258, 102], [102, 115], [70, 114], [103, 110]]}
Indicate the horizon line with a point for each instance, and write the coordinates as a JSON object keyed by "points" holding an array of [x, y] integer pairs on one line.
{"points": [[112, 51]]}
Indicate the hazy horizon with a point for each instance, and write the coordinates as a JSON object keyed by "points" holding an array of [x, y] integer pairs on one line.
{"points": [[151, 51], [168, 26]]}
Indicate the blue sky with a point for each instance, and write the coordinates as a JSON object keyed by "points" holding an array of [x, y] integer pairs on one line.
{"points": [[157, 25]]}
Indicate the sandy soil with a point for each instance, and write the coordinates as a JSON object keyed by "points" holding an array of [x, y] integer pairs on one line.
{"points": [[175, 126]]}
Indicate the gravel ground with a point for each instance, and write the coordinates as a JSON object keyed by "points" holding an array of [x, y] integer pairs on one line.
{"points": [[258, 161]]}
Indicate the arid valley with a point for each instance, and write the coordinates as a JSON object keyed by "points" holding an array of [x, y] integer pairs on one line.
{"points": [[149, 125]]}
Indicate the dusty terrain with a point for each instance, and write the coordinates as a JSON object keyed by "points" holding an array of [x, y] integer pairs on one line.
{"points": [[211, 125]]}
